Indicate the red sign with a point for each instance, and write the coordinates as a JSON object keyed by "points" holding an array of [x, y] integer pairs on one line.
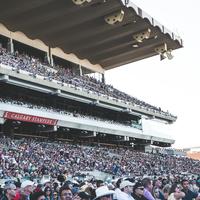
{"points": [[29, 118]]}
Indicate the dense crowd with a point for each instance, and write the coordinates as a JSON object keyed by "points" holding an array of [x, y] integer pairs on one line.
{"points": [[65, 75], [75, 113], [65, 163], [39, 169]]}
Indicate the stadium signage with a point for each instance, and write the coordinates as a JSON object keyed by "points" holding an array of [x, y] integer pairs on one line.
{"points": [[29, 118]]}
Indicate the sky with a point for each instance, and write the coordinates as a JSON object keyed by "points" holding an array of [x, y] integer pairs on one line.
{"points": [[173, 85]]}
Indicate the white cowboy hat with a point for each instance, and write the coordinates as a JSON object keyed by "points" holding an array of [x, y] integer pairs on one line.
{"points": [[27, 183], [103, 191], [125, 184]]}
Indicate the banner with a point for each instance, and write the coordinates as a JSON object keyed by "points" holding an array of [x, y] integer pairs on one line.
{"points": [[29, 118]]}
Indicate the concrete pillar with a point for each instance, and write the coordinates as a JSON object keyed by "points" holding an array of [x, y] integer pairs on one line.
{"points": [[80, 70], [103, 78], [50, 57], [47, 58], [10, 45]]}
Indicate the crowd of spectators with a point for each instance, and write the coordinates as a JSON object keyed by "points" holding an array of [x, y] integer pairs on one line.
{"points": [[65, 75], [39, 169], [28, 161], [29, 154], [75, 113]]}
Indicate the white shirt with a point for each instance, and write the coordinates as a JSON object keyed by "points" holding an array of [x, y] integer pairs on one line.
{"points": [[124, 196]]}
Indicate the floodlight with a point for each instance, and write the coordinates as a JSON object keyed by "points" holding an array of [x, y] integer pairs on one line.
{"points": [[161, 49], [115, 17], [164, 52], [169, 54], [139, 37], [80, 2]]}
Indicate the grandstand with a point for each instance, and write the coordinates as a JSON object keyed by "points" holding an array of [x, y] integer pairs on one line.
{"points": [[53, 60]]}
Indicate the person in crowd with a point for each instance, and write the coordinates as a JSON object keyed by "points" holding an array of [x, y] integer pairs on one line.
{"points": [[189, 195], [84, 196], [103, 193], [27, 188], [157, 192], [117, 189], [148, 186], [127, 189], [55, 195], [198, 183], [9, 192], [176, 193], [138, 191], [48, 193], [40, 195], [193, 186], [166, 190], [87, 190], [65, 193]]}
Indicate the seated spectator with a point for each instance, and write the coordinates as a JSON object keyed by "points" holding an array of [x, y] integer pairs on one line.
{"points": [[166, 190], [189, 195], [148, 186], [55, 195], [38, 196], [48, 193], [65, 193], [176, 193], [138, 191], [103, 193], [157, 192], [27, 188], [64, 74], [127, 189], [9, 192]]}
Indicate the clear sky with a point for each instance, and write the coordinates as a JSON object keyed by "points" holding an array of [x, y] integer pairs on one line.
{"points": [[173, 85]]}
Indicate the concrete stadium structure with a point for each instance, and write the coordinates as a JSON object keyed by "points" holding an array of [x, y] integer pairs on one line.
{"points": [[93, 36]]}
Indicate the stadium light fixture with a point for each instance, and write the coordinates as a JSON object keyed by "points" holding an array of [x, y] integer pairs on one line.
{"points": [[114, 17], [164, 52], [169, 54], [80, 2], [141, 36]]}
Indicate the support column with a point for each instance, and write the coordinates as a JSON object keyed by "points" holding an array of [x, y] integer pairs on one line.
{"points": [[103, 78], [50, 57], [47, 58], [10, 46], [80, 70]]}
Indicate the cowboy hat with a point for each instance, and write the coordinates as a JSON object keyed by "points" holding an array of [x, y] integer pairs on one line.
{"points": [[103, 191]]}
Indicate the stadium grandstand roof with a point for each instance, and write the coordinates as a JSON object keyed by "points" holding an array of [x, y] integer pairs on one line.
{"points": [[109, 33]]}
